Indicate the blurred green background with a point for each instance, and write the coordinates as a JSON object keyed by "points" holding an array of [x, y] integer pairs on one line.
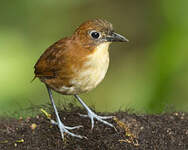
{"points": [[149, 74]]}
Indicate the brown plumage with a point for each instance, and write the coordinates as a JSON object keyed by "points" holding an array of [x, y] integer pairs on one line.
{"points": [[78, 63]]}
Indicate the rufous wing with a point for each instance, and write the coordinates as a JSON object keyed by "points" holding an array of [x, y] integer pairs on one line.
{"points": [[48, 64]]}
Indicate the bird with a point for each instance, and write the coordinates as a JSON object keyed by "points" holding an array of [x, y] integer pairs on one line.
{"points": [[77, 64]]}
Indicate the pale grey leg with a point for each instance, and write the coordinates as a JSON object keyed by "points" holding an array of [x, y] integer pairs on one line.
{"points": [[92, 115], [63, 129]]}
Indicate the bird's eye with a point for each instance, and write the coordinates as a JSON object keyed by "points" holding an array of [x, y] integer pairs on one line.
{"points": [[95, 34]]}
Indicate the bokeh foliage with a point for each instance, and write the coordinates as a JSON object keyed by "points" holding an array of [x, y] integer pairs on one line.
{"points": [[148, 74]]}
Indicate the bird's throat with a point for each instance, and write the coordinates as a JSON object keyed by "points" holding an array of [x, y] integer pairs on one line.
{"points": [[95, 67]]}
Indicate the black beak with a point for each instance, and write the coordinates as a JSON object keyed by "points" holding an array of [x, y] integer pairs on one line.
{"points": [[114, 37]]}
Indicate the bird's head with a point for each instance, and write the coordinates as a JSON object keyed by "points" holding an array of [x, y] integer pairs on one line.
{"points": [[95, 32]]}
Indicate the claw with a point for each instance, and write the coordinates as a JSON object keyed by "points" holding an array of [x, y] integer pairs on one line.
{"points": [[75, 127], [106, 117], [82, 115], [53, 122], [92, 115], [65, 129]]}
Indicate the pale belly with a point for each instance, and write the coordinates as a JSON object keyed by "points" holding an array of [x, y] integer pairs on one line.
{"points": [[90, 78], [92, 73]]}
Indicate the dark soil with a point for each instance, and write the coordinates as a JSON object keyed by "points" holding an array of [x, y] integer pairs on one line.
{"points": [[167, 131]]}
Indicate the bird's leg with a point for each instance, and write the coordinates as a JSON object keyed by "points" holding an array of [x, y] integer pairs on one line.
{"points": [[92, 115], [63, 129]]}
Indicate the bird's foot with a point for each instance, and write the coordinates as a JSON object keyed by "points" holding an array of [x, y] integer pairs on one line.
{"points": [[65, 129], [93, 116]]}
